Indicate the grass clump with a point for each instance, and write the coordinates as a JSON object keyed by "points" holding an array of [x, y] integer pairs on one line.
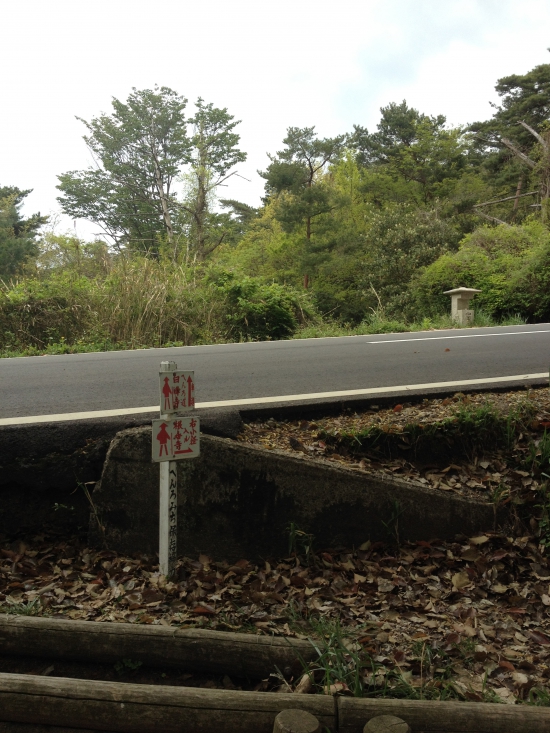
{"points": [[26, 608], [471, 430]]}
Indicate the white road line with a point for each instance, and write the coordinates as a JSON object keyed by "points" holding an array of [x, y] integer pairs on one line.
{"points": [[465, 336], [32, 419]]}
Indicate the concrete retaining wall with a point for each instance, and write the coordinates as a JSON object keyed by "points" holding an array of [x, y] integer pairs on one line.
{"points": [[237, 501]]}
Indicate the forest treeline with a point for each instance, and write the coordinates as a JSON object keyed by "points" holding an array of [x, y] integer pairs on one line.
{"points": [[357, 233]]}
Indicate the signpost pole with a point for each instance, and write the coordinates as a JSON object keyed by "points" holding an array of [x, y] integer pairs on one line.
{"points": [[168, 509]]}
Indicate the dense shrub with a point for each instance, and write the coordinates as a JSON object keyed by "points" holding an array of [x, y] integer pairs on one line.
{"points": [[258, 311], [35, 312], [143, 302], [510, 264]]}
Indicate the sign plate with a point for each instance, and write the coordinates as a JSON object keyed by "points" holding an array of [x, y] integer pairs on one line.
{"points": [[177, 392], [176, 439]]}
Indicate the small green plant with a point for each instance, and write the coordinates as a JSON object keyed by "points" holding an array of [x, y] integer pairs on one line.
{"points": [[539, 453], [342, 661], [340, 658], [28, 608], [539, 696], [57, 507], [127, 666], [300, 542], [392, 524], [544, 518]]}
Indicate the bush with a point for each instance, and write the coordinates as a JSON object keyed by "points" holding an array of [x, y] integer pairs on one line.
{"points": [[511, 265], [38, 313], [260, 312]]}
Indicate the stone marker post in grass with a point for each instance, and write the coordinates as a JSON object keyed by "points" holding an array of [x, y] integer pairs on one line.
{"points": [[176, 436], [460, 305]]}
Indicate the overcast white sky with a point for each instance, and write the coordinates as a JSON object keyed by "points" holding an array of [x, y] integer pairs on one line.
{"points": [[292, 62]]}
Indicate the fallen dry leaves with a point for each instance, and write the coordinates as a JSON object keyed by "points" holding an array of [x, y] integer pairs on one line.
{"points": [[468, 619]]}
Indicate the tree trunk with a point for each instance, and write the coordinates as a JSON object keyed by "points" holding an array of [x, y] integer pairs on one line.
{"points": [[517, 197], [163, 202]]}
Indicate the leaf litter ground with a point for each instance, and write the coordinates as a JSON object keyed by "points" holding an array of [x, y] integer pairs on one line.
{"points": [[485, 445], [436, 620]]}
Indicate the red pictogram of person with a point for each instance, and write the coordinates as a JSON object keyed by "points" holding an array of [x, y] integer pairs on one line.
{"points": [[163, 437], [167, 392]]}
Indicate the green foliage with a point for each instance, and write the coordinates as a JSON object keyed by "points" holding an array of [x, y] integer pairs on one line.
{"points": [[142, 302], [259, 312], [539, 454], [17, 235], [300, 542], [511, 265], [127, 666], [469, 432], [343, 663], [59, 252], [400, 240], [357, 233], [524, 97], [139, 151], [214, 155], [25, 608], [295, 181], [544, 516], [416, 149]]}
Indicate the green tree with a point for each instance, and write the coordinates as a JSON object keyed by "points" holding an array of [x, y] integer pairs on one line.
{"points": [[214, 156], [414, 151], [17, 235], [514, 157], [65, 253], [296, 175], [400, 240], [138, 150]]}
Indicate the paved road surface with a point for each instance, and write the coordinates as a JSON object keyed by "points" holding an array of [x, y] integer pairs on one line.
{"points": [[47, 385]]}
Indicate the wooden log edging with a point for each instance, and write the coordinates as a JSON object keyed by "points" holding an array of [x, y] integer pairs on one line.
{"points": [[37, 703], [444, 717], [197, 650], [129, 708]]}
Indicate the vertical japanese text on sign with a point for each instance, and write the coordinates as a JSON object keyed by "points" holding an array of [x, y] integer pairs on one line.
{"points": [[177, 391]]}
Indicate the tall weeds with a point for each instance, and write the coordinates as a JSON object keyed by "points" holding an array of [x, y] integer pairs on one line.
{"points": [[141, 302], [144, 302]]}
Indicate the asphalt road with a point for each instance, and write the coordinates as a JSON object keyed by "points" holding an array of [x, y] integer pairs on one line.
{"points": [[48, 385]]}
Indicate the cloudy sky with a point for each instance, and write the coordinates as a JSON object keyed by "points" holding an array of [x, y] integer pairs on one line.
{"points": [[292, 62]]}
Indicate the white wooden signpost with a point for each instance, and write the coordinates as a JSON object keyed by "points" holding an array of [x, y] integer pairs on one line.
{"points": [[176, 436]]}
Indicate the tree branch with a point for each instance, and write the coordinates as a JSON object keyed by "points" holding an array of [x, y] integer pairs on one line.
{"points": [[508, 198], [535, 134], [518, 152], [491, 218]]}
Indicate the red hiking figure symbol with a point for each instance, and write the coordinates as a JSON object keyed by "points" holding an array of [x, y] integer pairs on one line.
{"points": [[167, 392], [163, 437]]}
